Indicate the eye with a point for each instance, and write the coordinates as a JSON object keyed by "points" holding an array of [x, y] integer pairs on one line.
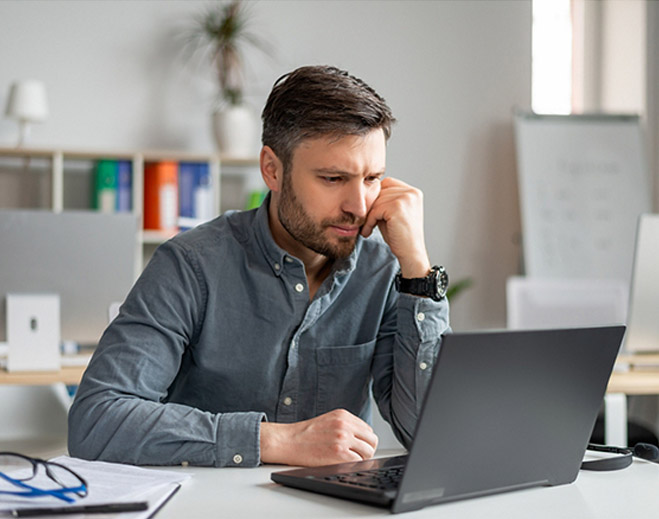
{"points": [[332, 180], [372, 179]]}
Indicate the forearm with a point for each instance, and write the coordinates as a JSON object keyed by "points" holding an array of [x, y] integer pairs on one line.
{"points": [[124, 410], [111, 427]]}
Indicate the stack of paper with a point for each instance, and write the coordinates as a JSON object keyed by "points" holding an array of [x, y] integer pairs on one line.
{"points": [[108, 483]]}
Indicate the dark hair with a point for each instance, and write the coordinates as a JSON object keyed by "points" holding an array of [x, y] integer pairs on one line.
{"points": [[315, 101]]}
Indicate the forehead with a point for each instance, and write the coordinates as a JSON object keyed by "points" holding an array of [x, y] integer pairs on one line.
{"points": [[344, 152]]}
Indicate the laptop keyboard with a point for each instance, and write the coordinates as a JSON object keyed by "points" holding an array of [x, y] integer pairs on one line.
{"points": [[385, 478]]}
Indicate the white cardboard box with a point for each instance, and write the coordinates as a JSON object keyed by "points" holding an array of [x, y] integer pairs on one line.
{"points": [[33, 332]]}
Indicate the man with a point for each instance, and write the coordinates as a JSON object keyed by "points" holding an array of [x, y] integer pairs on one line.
{"points": [[254, 338]]}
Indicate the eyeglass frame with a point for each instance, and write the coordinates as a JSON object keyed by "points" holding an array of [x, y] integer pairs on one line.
{"points": [[32, 491]]}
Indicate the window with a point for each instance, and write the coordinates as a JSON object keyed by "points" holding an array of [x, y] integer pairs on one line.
{"points": [[551, 81]]}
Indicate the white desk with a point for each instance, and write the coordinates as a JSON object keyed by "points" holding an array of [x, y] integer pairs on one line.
{"points": [[248, 493], [626, 494]]}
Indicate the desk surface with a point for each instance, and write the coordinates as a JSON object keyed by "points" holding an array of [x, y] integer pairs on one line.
{"points": [[630, 493], [635, 374], [237, 492], [635, 382]]}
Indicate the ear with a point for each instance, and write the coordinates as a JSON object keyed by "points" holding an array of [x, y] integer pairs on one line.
{"points": [[271, 169]]}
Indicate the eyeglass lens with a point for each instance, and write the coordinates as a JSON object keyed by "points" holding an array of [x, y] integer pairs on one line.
{"points": [[18, 467], [62, 476], [37, 471]]}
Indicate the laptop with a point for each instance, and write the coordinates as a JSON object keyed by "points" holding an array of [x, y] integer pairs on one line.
{"points": [[643, 318], [505, 410]]}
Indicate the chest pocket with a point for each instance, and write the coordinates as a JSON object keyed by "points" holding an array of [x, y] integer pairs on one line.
{"points": [[343, 377]]}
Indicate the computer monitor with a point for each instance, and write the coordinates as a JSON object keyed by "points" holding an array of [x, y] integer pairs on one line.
{"points": [[90, 259]]}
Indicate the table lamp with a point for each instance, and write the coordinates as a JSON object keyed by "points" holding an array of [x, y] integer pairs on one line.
{"points": [[27, 104]]}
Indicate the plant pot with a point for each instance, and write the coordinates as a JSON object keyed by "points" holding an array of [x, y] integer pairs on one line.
{"points": [[235, 130]]}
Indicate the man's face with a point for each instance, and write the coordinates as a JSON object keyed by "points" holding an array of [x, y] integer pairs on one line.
{"points": [[331, 186]]}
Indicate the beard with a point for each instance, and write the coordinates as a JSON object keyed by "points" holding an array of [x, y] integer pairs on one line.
{"points": [[297, 222]]}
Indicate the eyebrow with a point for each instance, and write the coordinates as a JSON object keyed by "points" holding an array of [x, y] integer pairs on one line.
{"points": [[336, 171]]}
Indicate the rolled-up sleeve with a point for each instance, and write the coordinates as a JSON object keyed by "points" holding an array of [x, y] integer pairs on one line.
{"points": [[409, 342]]}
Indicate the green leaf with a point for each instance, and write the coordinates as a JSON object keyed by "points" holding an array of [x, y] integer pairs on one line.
{"points": [[459, 286]]}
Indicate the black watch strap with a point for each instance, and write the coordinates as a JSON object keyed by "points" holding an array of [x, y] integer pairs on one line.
{"points": [[434, 285]]}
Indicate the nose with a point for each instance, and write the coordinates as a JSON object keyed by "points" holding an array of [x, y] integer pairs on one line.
{"points": [[354, 201]]}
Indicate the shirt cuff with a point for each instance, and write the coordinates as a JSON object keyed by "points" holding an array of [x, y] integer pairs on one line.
{"points": [[422, 319], [239, 439]]}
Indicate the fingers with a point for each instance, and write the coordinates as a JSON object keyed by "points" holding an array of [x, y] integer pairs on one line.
{"points": [[363, 441], [365, 449], [396, 201], [334, 437], [347, 437], [392, 190], [398, 212]]}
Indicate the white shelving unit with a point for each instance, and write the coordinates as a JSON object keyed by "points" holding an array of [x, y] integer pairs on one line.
{"points": [[59, 180]]}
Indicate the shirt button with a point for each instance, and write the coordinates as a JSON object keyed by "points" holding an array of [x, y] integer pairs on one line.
{"points": [[423, 366], [288, 259], [288, 400], [237, 459], [277, 267], [420, 316], [299, 287]]}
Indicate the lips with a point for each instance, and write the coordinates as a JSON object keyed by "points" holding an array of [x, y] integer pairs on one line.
{"points": [[344, 230]]}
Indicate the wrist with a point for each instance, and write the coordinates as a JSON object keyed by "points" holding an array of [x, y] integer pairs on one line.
{"points": [[415, 268], [433, 285], [271, 444]]}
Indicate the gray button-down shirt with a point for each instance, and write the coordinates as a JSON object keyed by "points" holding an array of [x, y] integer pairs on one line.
{"points": [[219, 334]]}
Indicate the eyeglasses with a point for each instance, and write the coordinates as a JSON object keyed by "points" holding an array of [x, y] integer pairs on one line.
{"points": [[23, 473]]}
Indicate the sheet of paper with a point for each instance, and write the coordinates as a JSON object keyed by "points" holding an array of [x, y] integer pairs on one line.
{"points": [[107, 482]]}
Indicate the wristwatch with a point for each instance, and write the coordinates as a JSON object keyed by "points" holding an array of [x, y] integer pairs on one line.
{"points": [[434, 285]]}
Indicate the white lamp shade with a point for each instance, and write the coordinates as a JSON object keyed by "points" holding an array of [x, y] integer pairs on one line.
{"points": [[27, 101]]}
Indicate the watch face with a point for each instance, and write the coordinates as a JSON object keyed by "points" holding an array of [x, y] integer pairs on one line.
{"points": [[441, 282]]}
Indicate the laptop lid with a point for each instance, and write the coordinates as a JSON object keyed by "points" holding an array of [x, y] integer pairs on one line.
{"points": [[505, 410], [508, 410], [643, 319]]}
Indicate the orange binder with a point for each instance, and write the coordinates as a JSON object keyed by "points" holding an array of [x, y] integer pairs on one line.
{"points": [[161, 196]]}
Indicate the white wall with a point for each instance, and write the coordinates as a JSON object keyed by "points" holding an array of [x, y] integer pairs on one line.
{"points": [[451, 70]]}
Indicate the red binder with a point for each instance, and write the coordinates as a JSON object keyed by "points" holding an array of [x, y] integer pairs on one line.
{"points": [[161, 196]]}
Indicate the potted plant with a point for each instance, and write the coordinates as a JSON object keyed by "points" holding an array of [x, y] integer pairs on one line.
{"points": [[223, 31]]}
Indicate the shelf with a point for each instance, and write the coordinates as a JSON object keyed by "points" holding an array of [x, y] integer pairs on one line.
{"points": [[66, 180], [157, 237], [68, 375], [153, 154], [26, 153]]}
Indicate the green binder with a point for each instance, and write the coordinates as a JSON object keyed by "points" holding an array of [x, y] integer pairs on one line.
{"points": [[105, 186]]}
